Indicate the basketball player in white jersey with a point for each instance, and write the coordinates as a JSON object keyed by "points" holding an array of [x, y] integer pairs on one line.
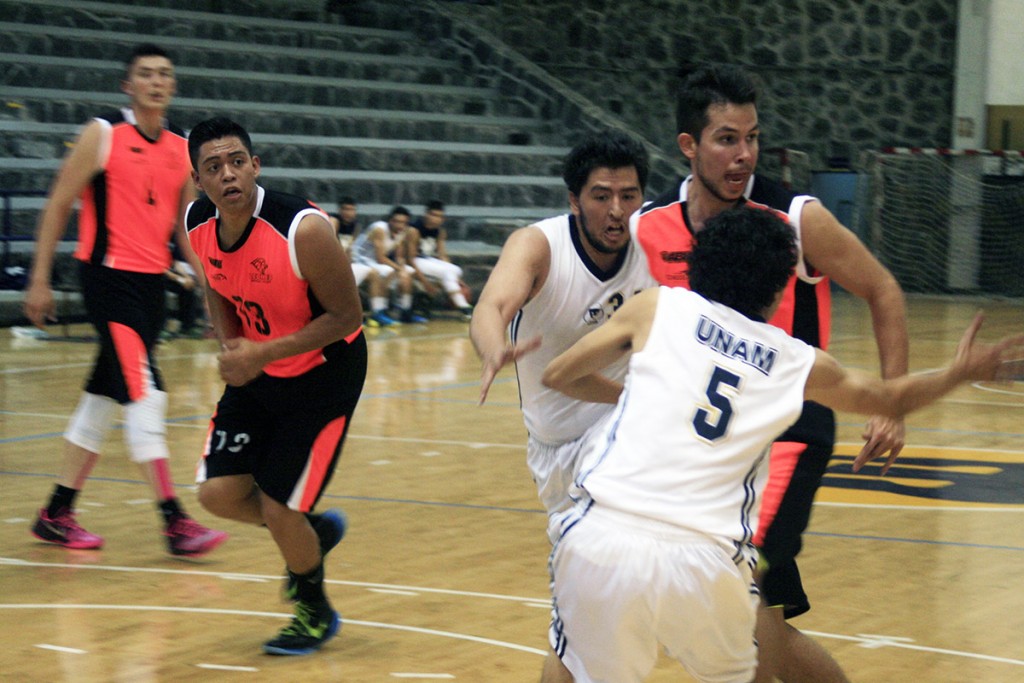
{"points": [[554, 282], [657, 549]]}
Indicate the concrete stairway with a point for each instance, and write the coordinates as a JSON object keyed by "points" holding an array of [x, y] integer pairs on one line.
{"points": [[366, 108]]}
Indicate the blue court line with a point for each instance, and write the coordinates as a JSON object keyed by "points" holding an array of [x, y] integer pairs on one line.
{"points": [[918, 541], [537, 511]]}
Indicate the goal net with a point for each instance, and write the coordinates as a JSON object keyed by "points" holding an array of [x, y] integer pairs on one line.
{"points": [[790, 167], [945, 221]]}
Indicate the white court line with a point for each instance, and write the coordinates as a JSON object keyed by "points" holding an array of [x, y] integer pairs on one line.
{"points": [[868, 641], [58, 648], [280, 615], [438, 677], [225, 667], [997, 390], [235, 576], [877, 642]]}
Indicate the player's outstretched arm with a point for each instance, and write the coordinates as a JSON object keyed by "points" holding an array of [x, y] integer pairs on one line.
{"points": [[836, 252], [518, 275], [852, 390]]}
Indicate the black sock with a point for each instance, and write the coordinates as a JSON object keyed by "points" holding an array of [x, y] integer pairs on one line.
{"points": [[310, 586], [62, 497], [171, 510]]}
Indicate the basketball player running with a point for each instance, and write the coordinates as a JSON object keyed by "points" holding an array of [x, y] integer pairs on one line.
{"points": [[285, 307], [657, 549], [130, 169], [718, 128], [553, 282]]}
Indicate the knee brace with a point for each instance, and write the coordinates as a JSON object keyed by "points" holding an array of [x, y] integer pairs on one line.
{"points": [[145, 432], [91, 421]]}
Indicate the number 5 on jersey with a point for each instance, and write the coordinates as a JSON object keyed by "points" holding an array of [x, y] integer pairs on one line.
{"points": [[721, 388]]}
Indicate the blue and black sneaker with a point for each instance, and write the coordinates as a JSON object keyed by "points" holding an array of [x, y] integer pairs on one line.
{"points": [[410, 316], [312, 626]]}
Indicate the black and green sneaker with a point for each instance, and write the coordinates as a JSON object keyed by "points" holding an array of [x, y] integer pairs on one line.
{"points": [[330, 528], [312, 626]]}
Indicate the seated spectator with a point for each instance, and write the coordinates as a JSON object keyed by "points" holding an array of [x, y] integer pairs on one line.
{"points": [[347, 227], [345, 223], [380, 247], [427, 254]]}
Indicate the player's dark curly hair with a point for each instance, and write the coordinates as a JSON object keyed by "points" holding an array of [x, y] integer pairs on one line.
{"points": [[708, 85], [742, 258], [214, 129], [605, 149]]}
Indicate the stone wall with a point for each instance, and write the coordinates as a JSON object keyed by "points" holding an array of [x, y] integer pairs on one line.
{"points": [[840, 76]]}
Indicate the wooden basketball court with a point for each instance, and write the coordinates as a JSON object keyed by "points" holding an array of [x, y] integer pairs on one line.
{"points": [[912, 577]]}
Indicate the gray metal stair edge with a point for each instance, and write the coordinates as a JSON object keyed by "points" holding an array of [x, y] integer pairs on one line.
{"points": [[403, 176], [451, 210], [19, 164], [174, 43], [262, 76], [19, 126], [268, 22], [117, 100]]}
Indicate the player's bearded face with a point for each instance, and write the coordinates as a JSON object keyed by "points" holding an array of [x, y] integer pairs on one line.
{"points": [[596, 241], [604, 206]]}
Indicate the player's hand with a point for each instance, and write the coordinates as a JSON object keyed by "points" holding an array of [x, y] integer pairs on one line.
{"points": [[509, 354], [39, 306], [1001, 362], [240, 361], [882, 435]]}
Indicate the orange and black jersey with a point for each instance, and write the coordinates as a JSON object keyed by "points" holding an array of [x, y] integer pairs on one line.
{"points": [[129, 210], [665, 236], [260, 275]]}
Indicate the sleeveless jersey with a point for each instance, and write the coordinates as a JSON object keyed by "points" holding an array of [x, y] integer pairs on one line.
{"points": [[259, 273], [575, 298], [688, 442], [665, 238], [129, 210], [346, 230], [427, 246], [363, 249], [661, 230]]}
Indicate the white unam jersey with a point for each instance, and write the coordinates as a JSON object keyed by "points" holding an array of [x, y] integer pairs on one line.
{"points": [[704, 398], [573, 301]]}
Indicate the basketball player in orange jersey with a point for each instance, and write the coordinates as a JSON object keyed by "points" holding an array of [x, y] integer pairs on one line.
{"points": [[718, 130], [285, 307], [130, 169]]}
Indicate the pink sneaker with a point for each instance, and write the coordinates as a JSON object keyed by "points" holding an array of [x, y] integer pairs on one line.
{"points": [[62, 529], [186, 536]]}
